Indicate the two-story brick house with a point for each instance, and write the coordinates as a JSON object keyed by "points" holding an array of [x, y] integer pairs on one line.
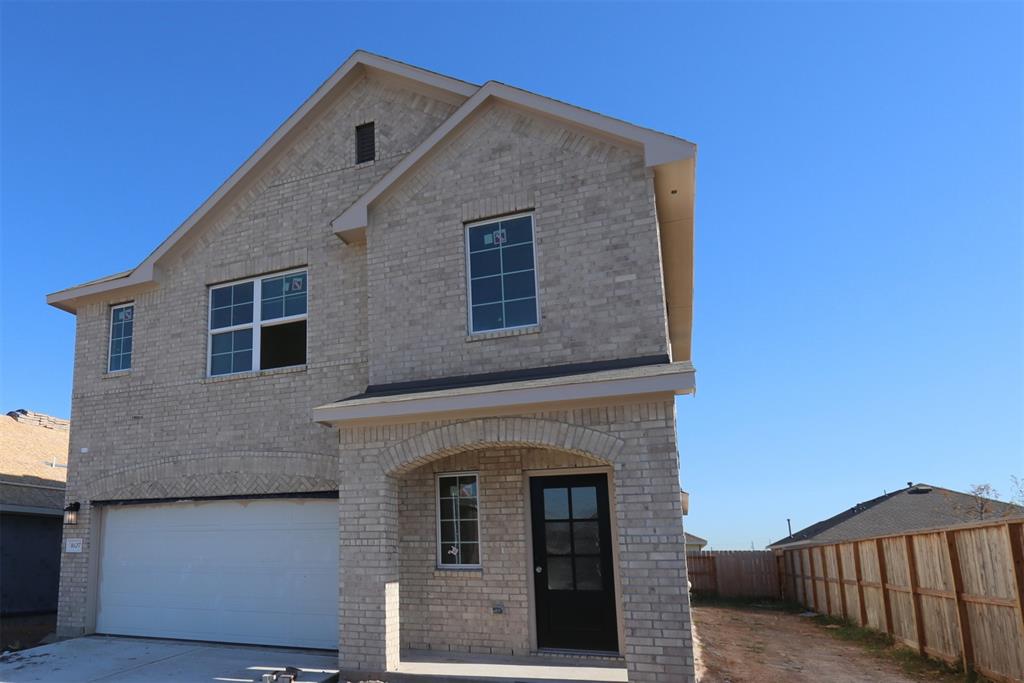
{"points": [[404, 382]]}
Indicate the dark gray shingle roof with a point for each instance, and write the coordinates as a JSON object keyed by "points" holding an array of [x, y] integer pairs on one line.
{"points": [[913, 508]]}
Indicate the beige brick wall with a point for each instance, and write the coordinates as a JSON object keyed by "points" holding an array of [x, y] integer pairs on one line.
{"points": [[164, 429], [598, 260], [396, 310], [380, 463], [451, 610]]}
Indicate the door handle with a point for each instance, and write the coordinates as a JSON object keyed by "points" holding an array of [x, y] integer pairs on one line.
{"points": [[539, 569]]}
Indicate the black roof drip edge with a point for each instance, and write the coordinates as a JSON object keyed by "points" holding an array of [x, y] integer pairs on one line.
{"points": [[503, 377]]}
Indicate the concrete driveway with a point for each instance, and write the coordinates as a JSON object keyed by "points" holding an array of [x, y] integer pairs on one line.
{"points": [[139, 660]]}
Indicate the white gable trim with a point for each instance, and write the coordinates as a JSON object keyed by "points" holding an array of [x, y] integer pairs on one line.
{"points": [[659, 148], [144, 273]]}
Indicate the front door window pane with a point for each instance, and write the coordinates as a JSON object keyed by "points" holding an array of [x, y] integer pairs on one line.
{"points": [[556, 503], [584, 502], [560, 573]]}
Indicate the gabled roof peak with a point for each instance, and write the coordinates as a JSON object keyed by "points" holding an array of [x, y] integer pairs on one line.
{"points": [[659, 150]]}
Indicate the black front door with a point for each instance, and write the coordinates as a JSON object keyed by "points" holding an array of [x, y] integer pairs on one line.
{"points": [[572, 563]]}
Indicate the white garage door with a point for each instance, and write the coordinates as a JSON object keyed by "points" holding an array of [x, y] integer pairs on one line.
{"points": [[241, 571]]}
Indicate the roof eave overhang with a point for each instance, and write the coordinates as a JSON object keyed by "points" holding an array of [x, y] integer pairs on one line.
{"points": [[504, 399]]}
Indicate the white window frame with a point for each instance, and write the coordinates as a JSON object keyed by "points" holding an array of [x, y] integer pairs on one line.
{"points": [[110, 336], [257, 323], [479, 519], [469, 272]]}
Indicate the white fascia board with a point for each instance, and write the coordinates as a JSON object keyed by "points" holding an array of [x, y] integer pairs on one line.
{"points": [[144, 272], [500, 398], [659, 148]]}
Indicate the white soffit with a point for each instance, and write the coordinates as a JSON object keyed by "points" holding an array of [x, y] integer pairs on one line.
{"points": [[668, 378]]}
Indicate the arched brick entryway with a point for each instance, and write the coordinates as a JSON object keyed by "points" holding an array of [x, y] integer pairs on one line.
{"points": [[635, 441]]}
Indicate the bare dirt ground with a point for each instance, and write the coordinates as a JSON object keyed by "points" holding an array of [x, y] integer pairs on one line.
{"points": [[736, 645]]}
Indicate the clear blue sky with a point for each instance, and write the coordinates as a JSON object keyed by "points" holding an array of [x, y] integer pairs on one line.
{"points": [[859, 292]]}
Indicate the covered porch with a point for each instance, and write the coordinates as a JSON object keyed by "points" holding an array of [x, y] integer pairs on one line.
{"points": [[539, 539]]}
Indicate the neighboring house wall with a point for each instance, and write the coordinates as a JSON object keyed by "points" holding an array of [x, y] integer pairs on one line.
{"points": [[33, 459], [596, 244], [29, 563]]}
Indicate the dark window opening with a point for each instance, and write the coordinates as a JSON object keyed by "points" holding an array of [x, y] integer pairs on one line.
{"points": [[365, 149], [283, 345]]}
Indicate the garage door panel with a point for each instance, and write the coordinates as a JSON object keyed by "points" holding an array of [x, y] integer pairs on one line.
{"points": [[262, 571]]}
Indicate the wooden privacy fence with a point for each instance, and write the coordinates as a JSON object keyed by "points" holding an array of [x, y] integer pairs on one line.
{"points": [[954, 594], [734, 574]]}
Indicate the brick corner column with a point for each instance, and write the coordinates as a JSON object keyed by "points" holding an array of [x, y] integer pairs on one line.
{"points": [[652, 551], [368, 567]]}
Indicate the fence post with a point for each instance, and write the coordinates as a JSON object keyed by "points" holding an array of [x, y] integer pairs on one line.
{"points": [[915, 597], [966, 643], [810, 573], [714, 575], [824, 580], [883, 576], [780, 571], [1015, 530], [842, 585], [860, 584]]}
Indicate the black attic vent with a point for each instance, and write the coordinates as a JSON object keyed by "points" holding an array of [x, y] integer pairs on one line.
{"points": [[365, 150]]}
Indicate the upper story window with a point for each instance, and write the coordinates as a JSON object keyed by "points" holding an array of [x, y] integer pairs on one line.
{"points": [[458, 520], [247, 333], [366, 149], [122, 329], [502, 274]]}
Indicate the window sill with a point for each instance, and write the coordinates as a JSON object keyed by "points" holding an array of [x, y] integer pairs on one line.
{"points": [[111, 374], [458, 572], [499, 334], [254, 373]]}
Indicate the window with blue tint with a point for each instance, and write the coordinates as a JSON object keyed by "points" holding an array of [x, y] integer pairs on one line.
{"points": [[231, 305], [231, 352], [458, 520], [502, 274], [122, 330], [283, 297], [247, 333]]}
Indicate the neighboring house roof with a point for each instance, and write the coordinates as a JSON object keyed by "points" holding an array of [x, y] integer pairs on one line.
{"points": [[695, 540], [914, 508], [33, 461], [672, 158]]}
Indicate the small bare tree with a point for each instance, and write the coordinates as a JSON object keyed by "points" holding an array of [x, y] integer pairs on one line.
{"points": [[981, 505], [1016, 490]]}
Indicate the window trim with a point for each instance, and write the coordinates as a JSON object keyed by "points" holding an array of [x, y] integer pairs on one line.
{"points": [[437, 521], [469, 273], [110, 336], [257, 323]]}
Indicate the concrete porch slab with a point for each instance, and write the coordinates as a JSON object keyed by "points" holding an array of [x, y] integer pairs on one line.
{"points": [[423, 666], [113, 659]]}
